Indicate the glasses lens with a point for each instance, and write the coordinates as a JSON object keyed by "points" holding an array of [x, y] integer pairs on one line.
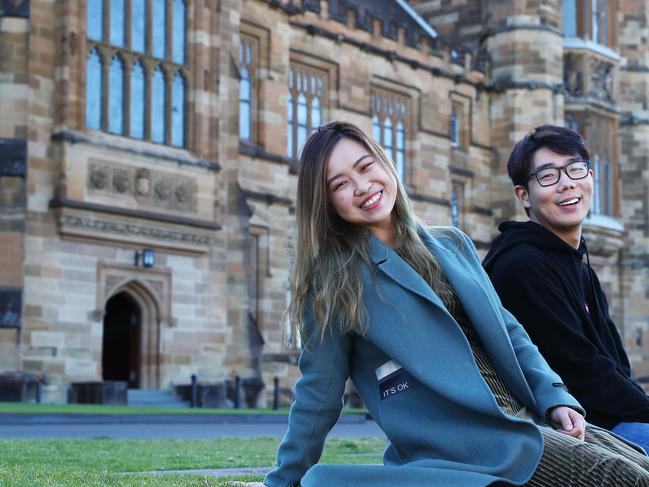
{"points": [[547, 177], [577, 170]]}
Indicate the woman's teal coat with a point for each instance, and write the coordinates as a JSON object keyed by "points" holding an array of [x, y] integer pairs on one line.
{"points": [[442, 422]]}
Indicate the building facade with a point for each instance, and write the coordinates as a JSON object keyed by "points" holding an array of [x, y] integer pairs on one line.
{"points": [[149, 152]]}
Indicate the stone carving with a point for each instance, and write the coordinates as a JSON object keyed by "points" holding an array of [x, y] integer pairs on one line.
{"points": [[98, 178], [143, 182], [121, 180], [163, 190], [572, 75], [601, 80], [122, 228], [182, 194], [151, 187]]}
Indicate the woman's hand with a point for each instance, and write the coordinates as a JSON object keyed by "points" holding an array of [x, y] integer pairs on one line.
{"points": [[568, 421]]}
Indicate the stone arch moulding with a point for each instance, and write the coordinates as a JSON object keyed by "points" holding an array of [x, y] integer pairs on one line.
{"points": [[151, 290]]}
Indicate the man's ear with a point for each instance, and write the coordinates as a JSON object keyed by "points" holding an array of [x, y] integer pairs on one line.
{"points": [[522, 195]]}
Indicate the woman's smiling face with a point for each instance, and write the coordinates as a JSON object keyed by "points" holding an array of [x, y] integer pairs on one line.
{"points": [[360, 189]]}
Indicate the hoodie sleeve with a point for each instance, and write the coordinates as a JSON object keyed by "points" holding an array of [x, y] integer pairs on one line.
{"points": [[535, 294], [324, 366]]}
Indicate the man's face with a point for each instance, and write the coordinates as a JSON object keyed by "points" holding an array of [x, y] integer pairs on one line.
{"points": [[560, 207]]}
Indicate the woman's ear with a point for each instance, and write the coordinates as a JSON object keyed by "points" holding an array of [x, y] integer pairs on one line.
{"points": [[522, 195]]}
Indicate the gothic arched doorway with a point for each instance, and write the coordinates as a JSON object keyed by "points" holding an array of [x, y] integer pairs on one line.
{"points": [[121, 347]]}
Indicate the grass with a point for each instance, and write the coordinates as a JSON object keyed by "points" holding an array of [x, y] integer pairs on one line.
{"points": [[34, 408], [110, 462]]}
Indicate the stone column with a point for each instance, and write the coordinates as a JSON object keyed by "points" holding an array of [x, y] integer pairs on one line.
{"points": [[524, 44], [634, 170]]}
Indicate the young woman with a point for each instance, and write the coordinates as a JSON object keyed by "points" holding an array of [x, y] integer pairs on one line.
{"points": [[407, 312]]}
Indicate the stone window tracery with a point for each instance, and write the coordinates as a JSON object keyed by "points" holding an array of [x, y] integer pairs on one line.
{"points": [[390, 112], [306, 104], [137, 72]]}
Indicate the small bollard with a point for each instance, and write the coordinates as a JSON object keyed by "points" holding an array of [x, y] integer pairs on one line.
{"points": [[39, 387], [237, 391], [275, 393], [194, 399]]}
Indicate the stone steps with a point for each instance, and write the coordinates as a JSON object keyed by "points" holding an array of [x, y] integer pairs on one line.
{"points": [[155, 398]]}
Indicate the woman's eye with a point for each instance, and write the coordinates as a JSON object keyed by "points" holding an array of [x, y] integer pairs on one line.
{"points": [[339, 185], [365, 166]]}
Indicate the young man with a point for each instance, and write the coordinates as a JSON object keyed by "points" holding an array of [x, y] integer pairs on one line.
{"points": [[538, 269]]}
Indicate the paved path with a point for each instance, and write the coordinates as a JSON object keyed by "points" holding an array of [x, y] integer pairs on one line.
{"points": [[168, 429]]}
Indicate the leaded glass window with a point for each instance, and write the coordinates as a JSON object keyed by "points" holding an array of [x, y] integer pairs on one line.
{"points": [[389, 125], [307, 87], [137, 78]]}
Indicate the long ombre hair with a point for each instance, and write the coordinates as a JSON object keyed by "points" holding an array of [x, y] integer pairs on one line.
{"points": [[330, 252]]}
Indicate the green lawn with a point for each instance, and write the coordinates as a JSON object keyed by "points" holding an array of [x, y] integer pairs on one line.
{"points": [[109, 462], [33, 408]]}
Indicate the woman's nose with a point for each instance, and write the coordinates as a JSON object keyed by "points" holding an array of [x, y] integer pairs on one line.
{"points": [[362, 187]]}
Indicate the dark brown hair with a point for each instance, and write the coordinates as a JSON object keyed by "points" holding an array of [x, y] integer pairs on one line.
{"points": [[561, 140]]}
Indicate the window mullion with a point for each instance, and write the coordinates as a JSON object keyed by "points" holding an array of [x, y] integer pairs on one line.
{"points": [[127, 25], [105, 80], [106, 22], [169, 33], [148, 84], [148, 48], [128, 71]]}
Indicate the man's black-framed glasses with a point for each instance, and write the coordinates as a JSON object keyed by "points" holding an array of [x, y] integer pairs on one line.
{"points": [[547, 176]]}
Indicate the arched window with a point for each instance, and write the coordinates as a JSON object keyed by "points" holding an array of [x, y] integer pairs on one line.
{"points": [[400, 158], [306, 104], [376, 128], [116, 96], [177, 111], [138, 97], [95, 20], [159, 28], [93, 90], [245, 102], [455, 128], [290, 142], [302, 120], [596, 204], [158, 106], [138, 25], [179, 33], [570, 18], [134, 92], [117, 23], [389, 127], [388, 135]]}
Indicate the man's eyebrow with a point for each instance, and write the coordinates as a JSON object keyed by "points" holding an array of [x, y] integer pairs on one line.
{"points": [[552, 164], [358, 161]]}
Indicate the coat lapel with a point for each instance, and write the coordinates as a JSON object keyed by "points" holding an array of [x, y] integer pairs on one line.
{"points": [[404, 275], [488, 324]]}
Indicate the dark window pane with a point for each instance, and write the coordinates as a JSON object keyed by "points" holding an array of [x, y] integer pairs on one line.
{"points": [[117, 22], [93, 90], [138, 96], [116, 96], [179, 31], [158, 106], [95, 20], [178, 112], [401, 150], [138, 25], [159, 28]]}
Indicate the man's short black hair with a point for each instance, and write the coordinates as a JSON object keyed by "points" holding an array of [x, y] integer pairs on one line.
{"points": [[561, 140]]}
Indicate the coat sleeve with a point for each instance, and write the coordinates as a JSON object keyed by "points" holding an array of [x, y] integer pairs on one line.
{"points": [[547, 387], [324, 368], [536, 296]]}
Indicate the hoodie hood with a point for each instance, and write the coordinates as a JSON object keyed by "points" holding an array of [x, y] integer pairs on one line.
{"points": [[515, 233]]}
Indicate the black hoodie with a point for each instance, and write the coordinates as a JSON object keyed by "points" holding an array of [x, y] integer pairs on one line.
{"points": [[545, 284]]}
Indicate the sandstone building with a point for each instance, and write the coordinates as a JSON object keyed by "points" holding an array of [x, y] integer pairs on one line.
{"points": [[174, 125]]}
